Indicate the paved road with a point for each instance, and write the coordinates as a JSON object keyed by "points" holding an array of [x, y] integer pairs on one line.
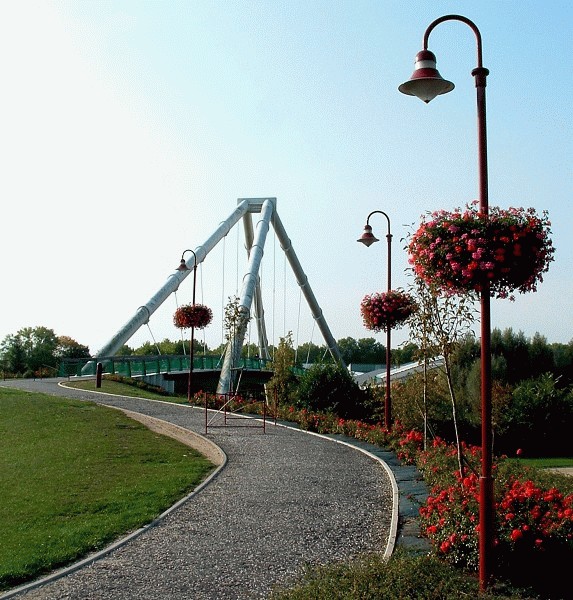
{"points": [[285, 499]]}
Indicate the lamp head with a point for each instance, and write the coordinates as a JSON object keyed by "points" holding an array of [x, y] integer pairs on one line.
{"points": [[367, 238], [183, 266], [426, 82]]}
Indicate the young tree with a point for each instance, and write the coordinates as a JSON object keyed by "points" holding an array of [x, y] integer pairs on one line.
{"points": [[438, 326], [283, 381]]}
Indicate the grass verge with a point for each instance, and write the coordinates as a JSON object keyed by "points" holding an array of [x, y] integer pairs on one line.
{"points": [[123, 386], [545, 463], [75, 476], [405, 576]]}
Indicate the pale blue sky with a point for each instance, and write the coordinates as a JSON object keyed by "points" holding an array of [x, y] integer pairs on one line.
{"points": [[129, 129]]}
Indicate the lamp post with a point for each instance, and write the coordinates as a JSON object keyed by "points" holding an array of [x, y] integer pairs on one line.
{"points": [[426, 83], [183, 267], [368, 238]]}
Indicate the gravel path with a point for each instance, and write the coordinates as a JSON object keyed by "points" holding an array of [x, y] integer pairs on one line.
{"points": [[285, 499]]}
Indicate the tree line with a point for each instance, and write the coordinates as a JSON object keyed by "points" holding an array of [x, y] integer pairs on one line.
{"points": [[32, 350]]}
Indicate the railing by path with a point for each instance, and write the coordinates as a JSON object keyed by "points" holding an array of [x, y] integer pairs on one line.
{"points": [[130, 366]]}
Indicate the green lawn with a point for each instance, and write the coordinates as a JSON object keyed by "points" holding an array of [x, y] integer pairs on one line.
{"points": [[74, 476], [545, 463], [109, 386]]}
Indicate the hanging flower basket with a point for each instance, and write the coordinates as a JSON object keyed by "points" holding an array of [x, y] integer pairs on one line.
{"points": [[197, 316], [381, 311], [459, 252]]}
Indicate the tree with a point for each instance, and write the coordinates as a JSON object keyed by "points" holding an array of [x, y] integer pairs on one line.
{"points": [[364, 351], [67, 347], [540, 417], [12, 354], [438, 326], [309, 353], [283, 381], [29, 350], [330, 388]]}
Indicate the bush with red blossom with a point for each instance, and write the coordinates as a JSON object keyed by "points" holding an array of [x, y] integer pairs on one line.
{"points": [[531, 522]]}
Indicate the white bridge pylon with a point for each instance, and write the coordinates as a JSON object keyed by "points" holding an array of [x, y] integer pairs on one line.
{"points": [[250, 295]]}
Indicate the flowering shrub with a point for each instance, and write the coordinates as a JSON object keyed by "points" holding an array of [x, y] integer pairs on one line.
{"points": [[228, 402], [450, 520], [530, 521], [381, 311], [410, 445], [192, 315], [460, 251], [530, 516]]}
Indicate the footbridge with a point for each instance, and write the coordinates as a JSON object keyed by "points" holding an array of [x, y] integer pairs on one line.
{"points": [[250, 304]]}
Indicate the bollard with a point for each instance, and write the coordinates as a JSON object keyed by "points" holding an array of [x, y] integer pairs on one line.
{"points": [[99, 371]]}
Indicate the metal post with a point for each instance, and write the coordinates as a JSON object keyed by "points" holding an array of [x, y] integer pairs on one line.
{"points": [[99, 371], [368, 239], [191, 349], [487, 502], [426, 87], [388, 399]]}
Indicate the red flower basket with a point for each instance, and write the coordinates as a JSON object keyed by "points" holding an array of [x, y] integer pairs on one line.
{"points": [[381, 311], [459, 252], [197, 316]]}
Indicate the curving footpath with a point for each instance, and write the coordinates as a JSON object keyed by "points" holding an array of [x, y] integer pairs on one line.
{"points": [[280, 500]]}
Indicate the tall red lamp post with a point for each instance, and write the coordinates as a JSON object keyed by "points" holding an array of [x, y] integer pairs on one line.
{"points": [[183, 267], [426, 83], [368, 238]]}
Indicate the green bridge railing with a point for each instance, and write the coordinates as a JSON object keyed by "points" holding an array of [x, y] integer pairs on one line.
{"points": [[130, 366]]}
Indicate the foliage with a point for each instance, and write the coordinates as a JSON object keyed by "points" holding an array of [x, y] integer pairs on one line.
{"points": [[328, 387], [387, 310], [534, 523], [310, 353], [36, 351], [167, 347], [235, 318], [539, 417], [283, 382], [439, 324], [67, 347], [405, 575], [363, 350], [463, 251]]}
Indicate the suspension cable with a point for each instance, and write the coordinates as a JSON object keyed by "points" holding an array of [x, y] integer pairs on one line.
{"points": [[223, 293], [153, 338], [298, 324], [181, 330]]}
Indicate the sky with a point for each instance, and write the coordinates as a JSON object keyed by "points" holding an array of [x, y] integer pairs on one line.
{"points": [[129, 129]]}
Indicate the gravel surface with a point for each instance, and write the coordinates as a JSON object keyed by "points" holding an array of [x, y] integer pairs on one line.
{"points": [[285, 499]]}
